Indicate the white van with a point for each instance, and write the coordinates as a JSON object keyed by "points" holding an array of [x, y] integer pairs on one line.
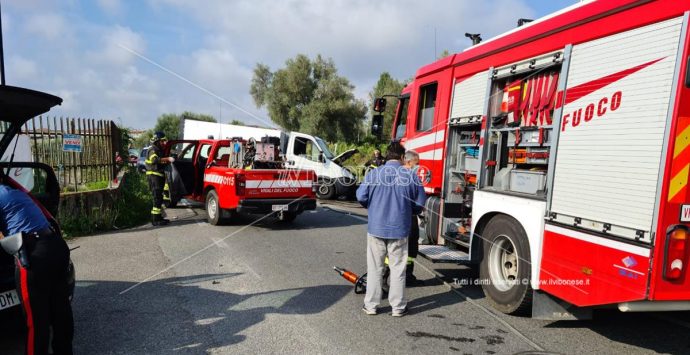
{"points": [[305, 151]]}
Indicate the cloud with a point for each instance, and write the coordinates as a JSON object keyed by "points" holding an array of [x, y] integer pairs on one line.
{"points": [[113, 42], [111, 7], [364, 38], [21, 68], [48, 26], [216, 45]]}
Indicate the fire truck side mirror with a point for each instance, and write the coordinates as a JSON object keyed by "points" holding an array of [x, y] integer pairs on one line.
{"points": [[377, 126], [379, 104]]}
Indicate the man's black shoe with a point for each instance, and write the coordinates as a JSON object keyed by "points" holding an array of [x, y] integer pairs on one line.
{"points": [[159, 221], [412, 281]]}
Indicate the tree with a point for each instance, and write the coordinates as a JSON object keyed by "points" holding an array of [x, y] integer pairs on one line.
{"points": [[387, 85], [143, 139], [444, 54], [309, 96], [237, 123]]}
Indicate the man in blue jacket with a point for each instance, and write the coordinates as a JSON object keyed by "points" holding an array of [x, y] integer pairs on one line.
{"points": [[392, 194]]}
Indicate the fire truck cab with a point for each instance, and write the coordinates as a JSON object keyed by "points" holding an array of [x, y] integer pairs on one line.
{"points": [[556, 157]]}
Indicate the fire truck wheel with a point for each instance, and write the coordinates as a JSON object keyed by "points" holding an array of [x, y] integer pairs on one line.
{"points": [[505, 269], [213, 209], [326, 190]]}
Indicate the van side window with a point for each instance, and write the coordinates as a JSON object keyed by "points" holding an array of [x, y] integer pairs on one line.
{"points": [[300, 147], [427, 104]]}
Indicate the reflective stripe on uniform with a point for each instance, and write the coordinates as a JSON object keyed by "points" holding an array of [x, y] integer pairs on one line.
{"points": [[155, 210], [410, 260], [150, 172], [149, 160]]}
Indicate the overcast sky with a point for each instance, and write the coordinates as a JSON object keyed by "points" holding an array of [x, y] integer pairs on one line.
{"points": [[83, 51]]}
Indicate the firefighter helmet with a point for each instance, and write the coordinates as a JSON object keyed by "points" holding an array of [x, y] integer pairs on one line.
{"points": [[157, 137]]}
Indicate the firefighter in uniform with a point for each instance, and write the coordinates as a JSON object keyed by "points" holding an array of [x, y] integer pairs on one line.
{"points": [[412, 163], [155, 173], [41, 273]]}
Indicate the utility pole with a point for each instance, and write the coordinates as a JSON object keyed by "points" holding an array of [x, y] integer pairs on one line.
{"points": [[2, 53]]}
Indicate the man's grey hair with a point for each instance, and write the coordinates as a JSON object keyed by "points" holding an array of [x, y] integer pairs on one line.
{"points": [[410, 155]]}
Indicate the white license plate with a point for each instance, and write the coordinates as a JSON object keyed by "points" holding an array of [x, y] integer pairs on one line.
{"points": [[8, 299], [280, 207], [685, 213]]}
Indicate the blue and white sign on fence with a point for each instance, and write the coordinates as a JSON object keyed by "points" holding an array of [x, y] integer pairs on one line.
{"points": [[71, 143]]}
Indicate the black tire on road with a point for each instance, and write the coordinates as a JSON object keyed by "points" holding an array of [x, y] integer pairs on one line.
{"points": [[213, 211], [505, 268], [326, 190]]}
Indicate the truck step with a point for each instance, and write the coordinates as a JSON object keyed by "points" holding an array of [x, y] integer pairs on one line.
{"points": [[462, 240], [442, 254]]}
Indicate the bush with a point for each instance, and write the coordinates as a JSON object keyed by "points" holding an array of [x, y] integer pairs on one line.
{"points": [[131, 208], [365, 151]]}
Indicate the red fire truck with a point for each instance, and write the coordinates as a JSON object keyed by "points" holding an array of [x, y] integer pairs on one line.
{"points": [[238, 176], [556, 156]]}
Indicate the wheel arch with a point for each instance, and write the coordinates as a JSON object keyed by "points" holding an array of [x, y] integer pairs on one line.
{"points": [[207, 189], [527, 213]]}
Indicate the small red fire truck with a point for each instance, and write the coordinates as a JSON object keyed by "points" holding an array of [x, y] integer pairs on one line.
{"points": [[557, 157], [238, 176]]}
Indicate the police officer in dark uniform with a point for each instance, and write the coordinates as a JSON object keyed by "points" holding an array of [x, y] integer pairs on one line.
{"points": [[42, 272], [376, 161], [155, 173]]}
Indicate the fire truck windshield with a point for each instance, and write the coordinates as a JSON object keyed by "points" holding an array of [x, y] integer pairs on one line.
{"points": [[401, 118]]}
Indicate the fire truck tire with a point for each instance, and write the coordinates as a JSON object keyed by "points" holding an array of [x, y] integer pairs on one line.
{"points": [[213, 210], [326, 190], [432, 211], [505, 269]]}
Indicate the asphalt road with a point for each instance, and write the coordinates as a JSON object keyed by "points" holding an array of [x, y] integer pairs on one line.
{"points": [[257, 286]]}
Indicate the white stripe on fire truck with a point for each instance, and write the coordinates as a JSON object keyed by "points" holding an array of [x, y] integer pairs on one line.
{"points": [[432, 155], [264, 184], [428, 139], [628, 248]]}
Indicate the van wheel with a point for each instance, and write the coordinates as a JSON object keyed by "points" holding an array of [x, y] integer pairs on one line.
{"points": [[505, 268], [213, 210], [326, 190]]}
